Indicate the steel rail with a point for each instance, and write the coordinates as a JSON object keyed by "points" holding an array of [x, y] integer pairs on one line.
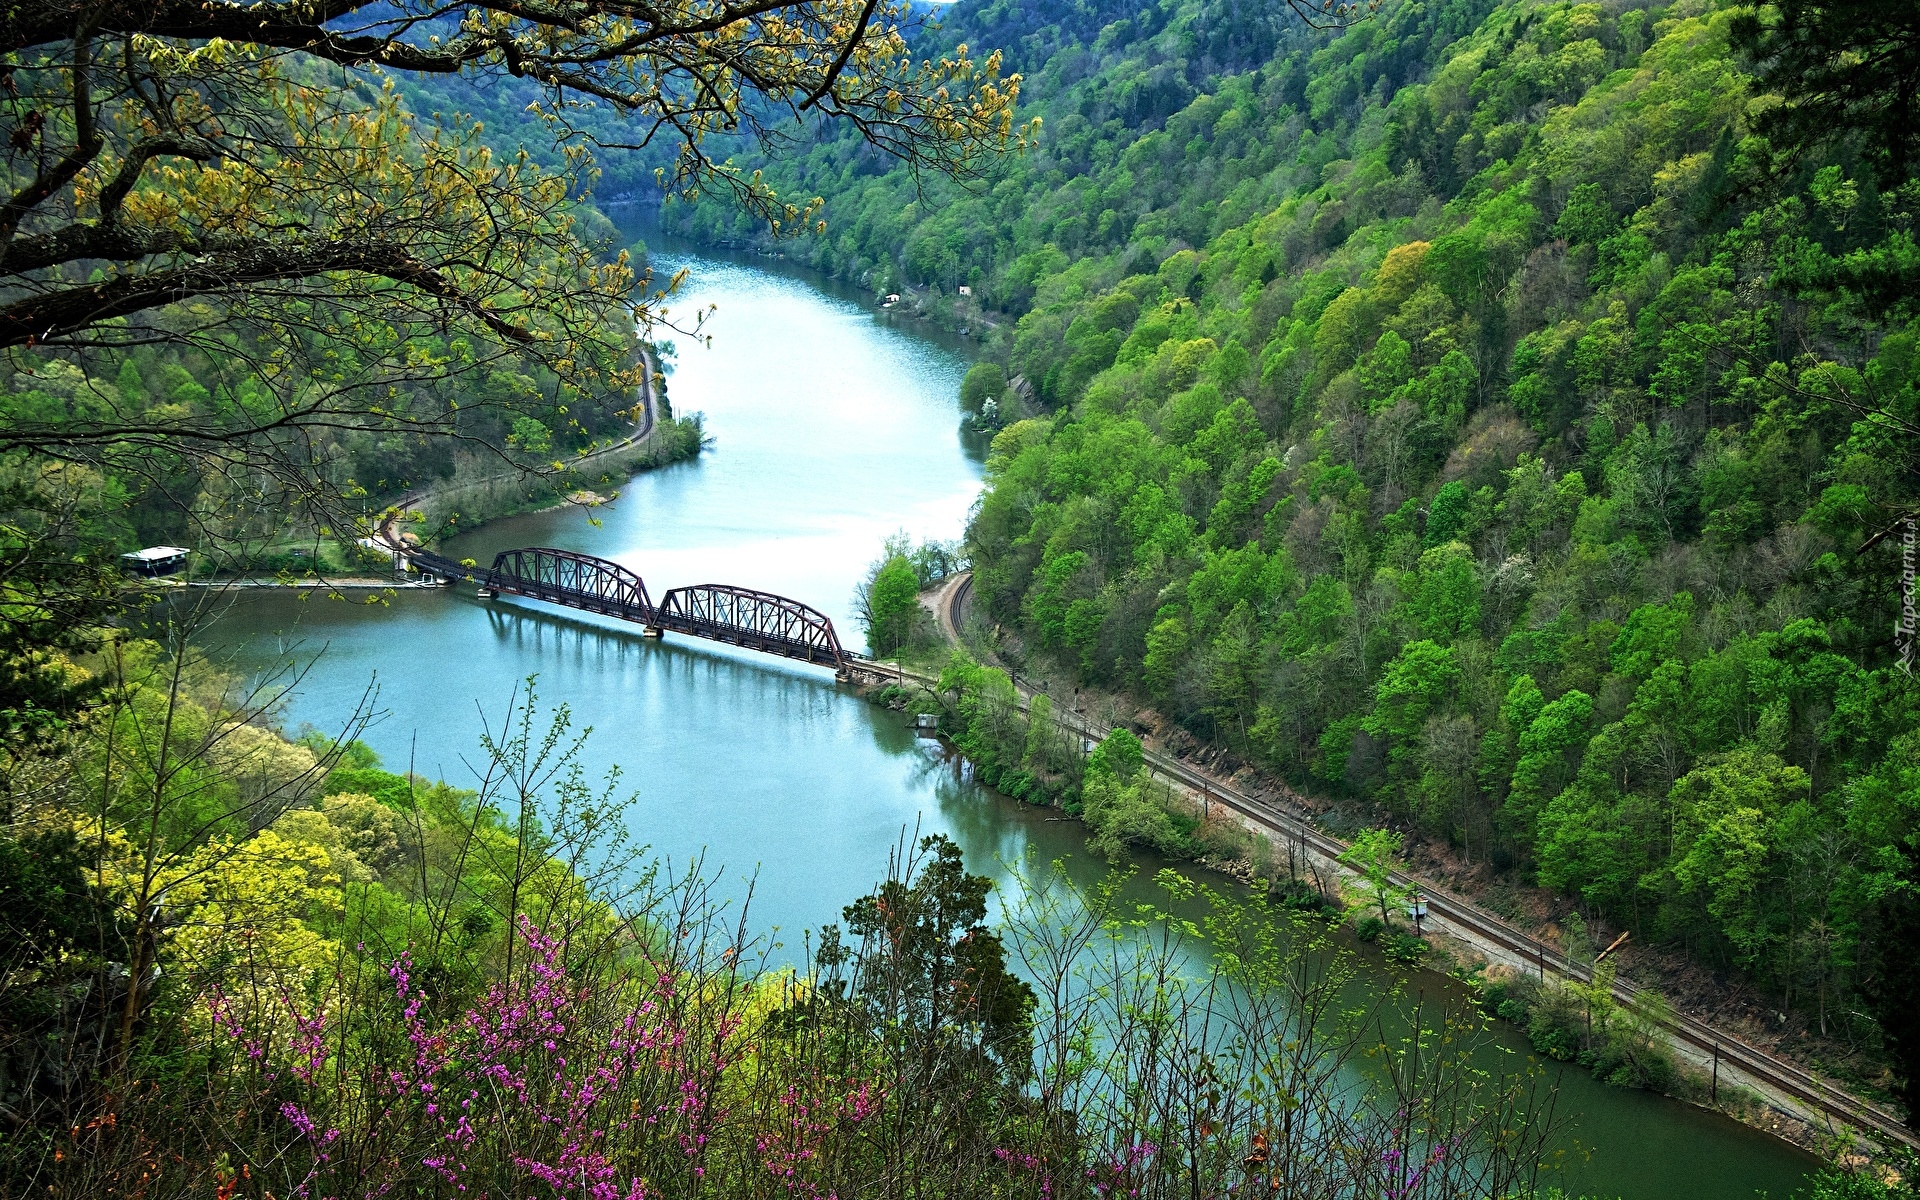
{"points": [[1785, 1076]]}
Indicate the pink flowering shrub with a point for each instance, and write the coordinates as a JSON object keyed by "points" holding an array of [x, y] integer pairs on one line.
{"points": [[546, 1086], [618, 1037], [602, 1059]]}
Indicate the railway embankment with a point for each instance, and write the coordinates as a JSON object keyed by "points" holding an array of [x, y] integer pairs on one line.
{"points": [[1746, 1081]]}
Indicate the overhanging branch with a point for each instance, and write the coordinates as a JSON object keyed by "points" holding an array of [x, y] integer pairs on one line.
{"points": [[50, 315]]}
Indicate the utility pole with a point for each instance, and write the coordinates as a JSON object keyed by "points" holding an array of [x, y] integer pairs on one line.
{"points": [[1617, 942]]}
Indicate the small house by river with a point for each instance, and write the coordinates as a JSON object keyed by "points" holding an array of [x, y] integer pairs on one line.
{"points": [[156, 560]]}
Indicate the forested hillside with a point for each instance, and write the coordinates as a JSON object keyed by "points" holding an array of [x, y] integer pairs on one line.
{"points": [[1476, 412], [494, 397]]}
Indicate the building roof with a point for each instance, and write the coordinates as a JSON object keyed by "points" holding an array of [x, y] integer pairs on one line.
{"points": [[157, 554]]}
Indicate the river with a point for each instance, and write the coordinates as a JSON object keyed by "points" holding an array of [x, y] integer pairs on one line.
{"points": [[832, 427]]}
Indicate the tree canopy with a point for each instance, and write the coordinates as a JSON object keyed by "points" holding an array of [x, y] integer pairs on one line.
{"points": [[258, 160], [1844, 70], [1489, 415]]}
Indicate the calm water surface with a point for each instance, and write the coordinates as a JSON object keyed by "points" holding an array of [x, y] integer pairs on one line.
{"points": [[831, 429]]}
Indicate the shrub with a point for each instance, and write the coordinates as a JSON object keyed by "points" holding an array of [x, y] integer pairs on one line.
{"points": [[534, 1012], [1300, 896], [893, 606], [1890, 1179], [1552, 1038], [1406, 947]]}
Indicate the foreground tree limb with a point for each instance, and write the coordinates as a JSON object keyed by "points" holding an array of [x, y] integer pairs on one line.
{"points": [[44, 318], [238, 195], [166, 151]]}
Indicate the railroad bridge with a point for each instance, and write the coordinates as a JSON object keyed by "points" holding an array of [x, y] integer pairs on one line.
{"points": [[717, 611]]}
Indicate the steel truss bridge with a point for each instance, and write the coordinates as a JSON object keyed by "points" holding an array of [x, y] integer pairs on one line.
{"points": [[717, 611]]}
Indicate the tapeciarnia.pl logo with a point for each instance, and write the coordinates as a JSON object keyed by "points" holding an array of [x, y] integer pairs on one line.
{"points": [[1904, 629]]}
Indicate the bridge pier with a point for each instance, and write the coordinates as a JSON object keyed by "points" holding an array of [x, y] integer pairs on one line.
{"points": [[654, 631], [865, 674]]}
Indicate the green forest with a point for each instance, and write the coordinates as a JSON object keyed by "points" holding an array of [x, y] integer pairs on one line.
{"points": [[482, 395], [1497, 412], [1496, 417]]}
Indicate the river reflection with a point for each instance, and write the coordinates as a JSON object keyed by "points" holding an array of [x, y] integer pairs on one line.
{"points": [[831, 429]]}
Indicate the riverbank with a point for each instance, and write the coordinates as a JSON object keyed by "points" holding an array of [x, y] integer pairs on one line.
{"points": [[1721, 1070], [314, 583], [479, 491], [475, 495]]}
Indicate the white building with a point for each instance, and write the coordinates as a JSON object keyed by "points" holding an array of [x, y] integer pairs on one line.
{"points": [[156, 560]]}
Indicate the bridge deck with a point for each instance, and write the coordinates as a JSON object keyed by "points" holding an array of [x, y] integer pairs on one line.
{"points": [[722, 613]]}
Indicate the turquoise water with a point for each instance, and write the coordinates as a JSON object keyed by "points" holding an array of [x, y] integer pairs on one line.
{"points": [[832, 428]]}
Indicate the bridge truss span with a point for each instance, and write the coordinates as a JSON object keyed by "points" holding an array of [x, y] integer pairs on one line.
{"points": [[575, 580], [719, 612], [756, 620]]}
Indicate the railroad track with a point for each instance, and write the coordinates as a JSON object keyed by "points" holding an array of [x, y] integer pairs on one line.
{"points": [[1787, 1078], [1462, 914]]}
